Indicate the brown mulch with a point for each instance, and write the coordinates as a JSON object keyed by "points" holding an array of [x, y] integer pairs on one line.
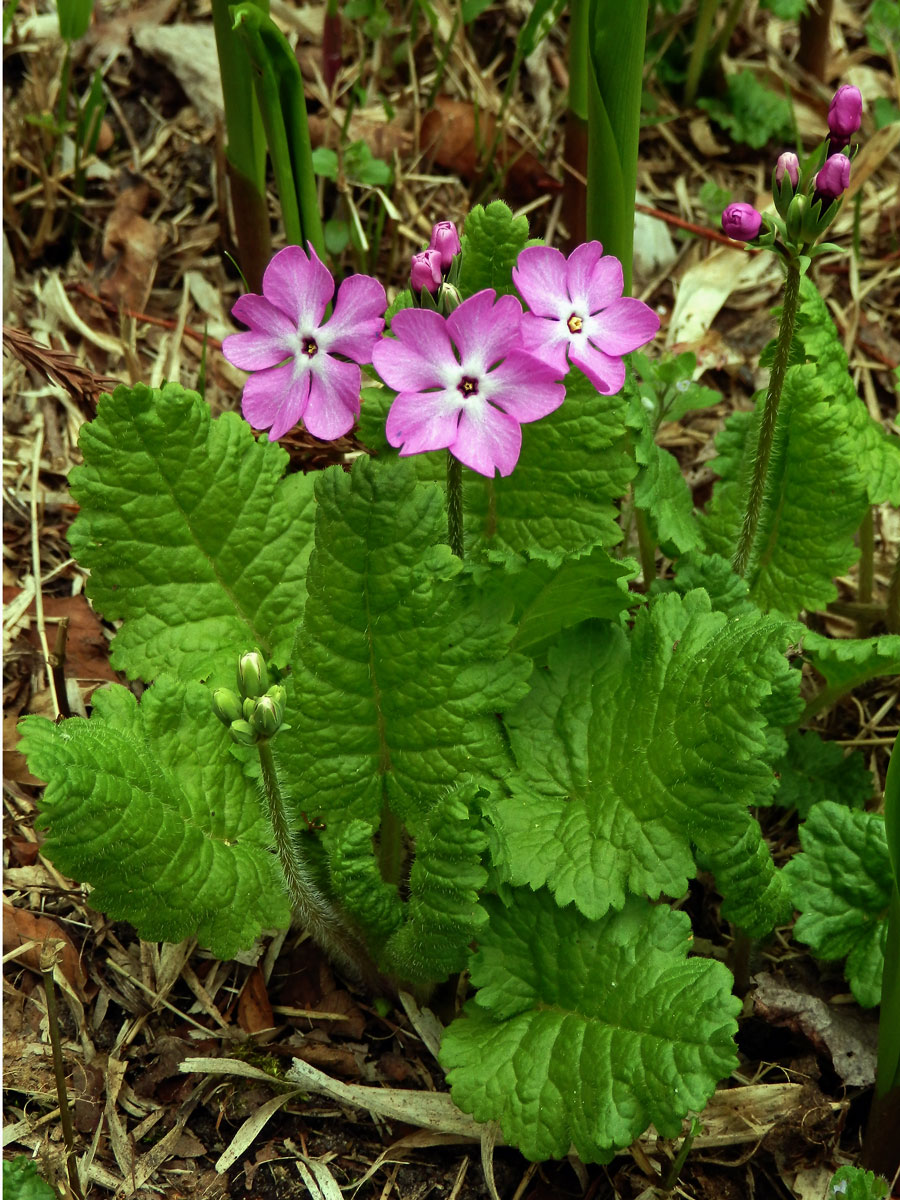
{"points": [[132, 284]]}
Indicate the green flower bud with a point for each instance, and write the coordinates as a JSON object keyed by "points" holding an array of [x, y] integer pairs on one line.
{"points": [[278, 694], [243, 733], [266, 718], [448, 299], [247, 708], [226, 705], [797, 210], [253, 675]]}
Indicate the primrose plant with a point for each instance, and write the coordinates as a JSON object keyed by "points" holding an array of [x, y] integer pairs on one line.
{"points": [[415, 702]]}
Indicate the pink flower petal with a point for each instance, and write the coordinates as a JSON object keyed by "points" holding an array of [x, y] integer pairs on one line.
{"points": [[484, 332], [420, 356], [606, 373], [579, 268], [271, 339], [420, 423], [621, 328], [547, 340], [300, 286], [333, 398], [357, 320], [525, 387], [606, 283], [275, 398], [488, 440], [540, 276]]}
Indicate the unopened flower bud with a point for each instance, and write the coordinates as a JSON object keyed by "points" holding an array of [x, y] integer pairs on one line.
{"points": [[788, 164], [253, 675], [445, 240], [797, 210], [247, 708], [266, 717], [278, 694], [450, 299], [425, 271], [226, 705], [832, 180], [243, 733], [741, 222], [845, 112]]}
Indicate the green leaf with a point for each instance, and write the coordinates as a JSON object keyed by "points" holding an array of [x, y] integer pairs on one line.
{"points": [[74, 18], [397, 672], [21, 1181], [192, 537], [491, 242], [876, 450], [373, 902], [752, 113], [814, 770], [841, 883], [631, 751], [548, 599], [846, 663], [727, 591], [853, 1183], [814, 501], [885, 112], [787, 10], [562, 497], [362, 166], [442, 915], [883, 25], [543, 16], [325, 162], [584, 1032], [148, 805], [660, 489]]}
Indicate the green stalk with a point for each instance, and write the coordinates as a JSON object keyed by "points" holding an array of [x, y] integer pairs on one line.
{"points": [[720, 45], [617, 33], [706, 11], [315, 911], [245, 150], [769, 421], [881, 1147], [576, 147], [65, 80], [454, 505]]}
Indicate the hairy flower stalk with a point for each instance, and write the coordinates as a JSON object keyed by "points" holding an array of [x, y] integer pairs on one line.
{"points": [[769, 420]]}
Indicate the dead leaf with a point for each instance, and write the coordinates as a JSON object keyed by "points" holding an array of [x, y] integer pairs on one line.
{"points": [[189, 52], [254, 1009], [457, 138], [21, 926], [132, 244]]}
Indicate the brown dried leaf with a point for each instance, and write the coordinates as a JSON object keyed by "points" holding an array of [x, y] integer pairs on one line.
{"points": [[21, 926], [132, 244], [254, 1010]]}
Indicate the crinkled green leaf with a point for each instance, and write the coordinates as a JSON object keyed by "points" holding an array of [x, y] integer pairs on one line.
{"points": [[584, 1032], [813, 505], [660, 489], [876, 450], [756, 898], [491, 242], [442, 915], [848, 662], [630, 751], [728, 592], [192, 537], [562, 498], [547, 599], [146, 803], [373, 902], [854, 1183], [841, 884], [666, 386], [814, 770], [397, 671], [21, 1181], [751, 112]]}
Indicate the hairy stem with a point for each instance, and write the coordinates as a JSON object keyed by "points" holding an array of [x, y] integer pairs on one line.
{"points": [[454, 504], [769, 421], [315, 911]]}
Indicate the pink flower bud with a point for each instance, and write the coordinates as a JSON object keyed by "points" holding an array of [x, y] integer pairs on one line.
{"points": [[445, 240], [788, 164], [832, 180], [845, 112], [741, 222], [425, 271]]}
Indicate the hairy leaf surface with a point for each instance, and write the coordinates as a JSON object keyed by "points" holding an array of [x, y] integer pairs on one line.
{"points": [[192, 537], [814, 770], [397, 670], [491, 242], [146, 803], [847, 662], [841, 884], [660, 489], [630, 751], [814, 502], [584, 1031]]}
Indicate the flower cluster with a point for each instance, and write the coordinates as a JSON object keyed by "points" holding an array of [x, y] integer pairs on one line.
{"points": [[468, 374], [804, 196]]}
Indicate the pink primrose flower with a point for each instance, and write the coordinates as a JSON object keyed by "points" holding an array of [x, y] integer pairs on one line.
{"points": [[577, 309], [293, 353], [425, 271], [445, 240], [845, 112], [741, 222], [465, 382]]}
